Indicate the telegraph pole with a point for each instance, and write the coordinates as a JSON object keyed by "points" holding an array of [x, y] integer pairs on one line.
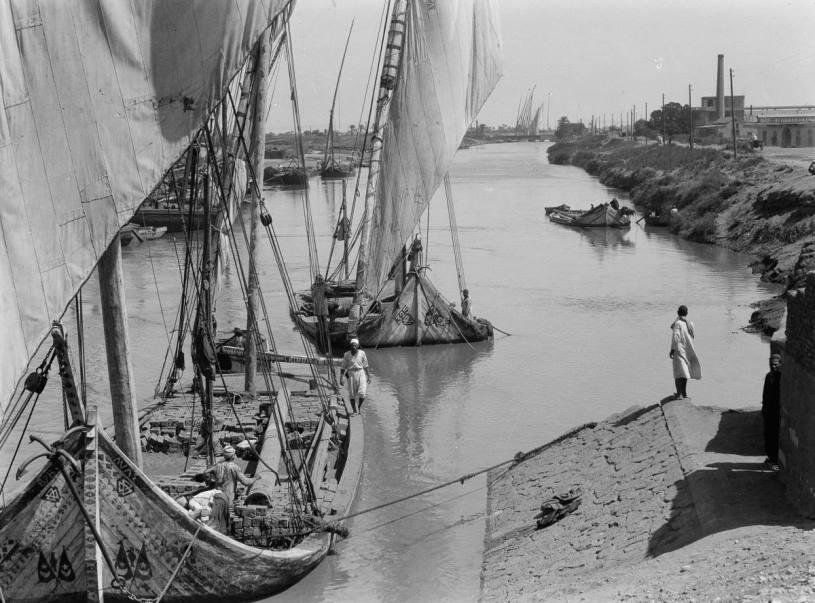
{"points": [[732, 114], [663, 118], [647, 120], [690, 108]]}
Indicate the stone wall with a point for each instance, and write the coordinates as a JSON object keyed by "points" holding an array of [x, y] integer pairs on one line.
{"points": [[797, 438]]}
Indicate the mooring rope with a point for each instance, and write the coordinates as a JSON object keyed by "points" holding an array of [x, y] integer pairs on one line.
{"points": [[518, 458], [178, 567]]}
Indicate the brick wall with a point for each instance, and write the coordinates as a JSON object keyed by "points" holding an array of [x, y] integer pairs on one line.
{"points": [[797, 438]]}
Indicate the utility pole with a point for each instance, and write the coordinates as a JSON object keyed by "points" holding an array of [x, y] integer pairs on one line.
{"points": [[732, 114], [663, 118], [647, 120], [690, 108]]}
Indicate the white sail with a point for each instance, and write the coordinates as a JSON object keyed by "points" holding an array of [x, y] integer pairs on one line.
{"points": [[450, 63], [99, 97]]}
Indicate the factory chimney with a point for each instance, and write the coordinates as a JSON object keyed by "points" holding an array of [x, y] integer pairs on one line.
{"points": [[720, 87]]}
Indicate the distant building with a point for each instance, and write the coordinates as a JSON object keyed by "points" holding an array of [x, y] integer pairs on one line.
{"points": [[774, 126], [714, 118], [781, 126]]}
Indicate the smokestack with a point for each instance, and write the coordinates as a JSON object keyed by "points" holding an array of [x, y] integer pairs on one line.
{"points": [[720, 87]]}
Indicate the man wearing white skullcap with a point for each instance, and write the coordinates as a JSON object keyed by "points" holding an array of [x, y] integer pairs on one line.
{"points": [[355, 368], [228, 474]]}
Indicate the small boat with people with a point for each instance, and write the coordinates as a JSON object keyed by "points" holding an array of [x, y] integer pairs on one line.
{"points": [[130, 232], [604, 215], [562, 208]]}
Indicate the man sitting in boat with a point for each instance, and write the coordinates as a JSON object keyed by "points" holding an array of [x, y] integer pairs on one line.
{"points": [[199, 506]]}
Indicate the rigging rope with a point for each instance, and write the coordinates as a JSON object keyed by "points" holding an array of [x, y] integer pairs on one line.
{"points": [[314, 262], [372, 71], [80, 329], [242, 280], [518, 458], [34, 383], [451, 212]]}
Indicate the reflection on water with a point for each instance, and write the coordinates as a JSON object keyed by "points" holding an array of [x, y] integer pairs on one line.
{"points": [[589, 311], [606, 238]]}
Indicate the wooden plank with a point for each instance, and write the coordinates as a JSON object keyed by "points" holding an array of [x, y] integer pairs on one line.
{"points": [[270, 454], [347, 487], [318, 458]]}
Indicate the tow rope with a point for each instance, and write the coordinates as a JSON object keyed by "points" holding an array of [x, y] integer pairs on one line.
{"points": [[518, 458]]}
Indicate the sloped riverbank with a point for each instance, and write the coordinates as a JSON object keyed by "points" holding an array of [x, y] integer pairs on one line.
{"points": [[677, 505], [759, 203]]}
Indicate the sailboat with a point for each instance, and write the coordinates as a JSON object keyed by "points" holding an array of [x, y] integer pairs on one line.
{"points": [[441, 61], [99, 101], [330, 168]]}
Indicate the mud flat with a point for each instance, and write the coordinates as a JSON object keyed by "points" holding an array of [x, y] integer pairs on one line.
{"points": [[677, 505]]}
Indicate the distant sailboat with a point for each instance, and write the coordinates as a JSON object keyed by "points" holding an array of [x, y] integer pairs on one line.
{"points": [[330, 168], [441, 62]]}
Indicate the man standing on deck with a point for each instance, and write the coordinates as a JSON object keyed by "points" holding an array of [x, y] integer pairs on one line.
{"points": [[466, 303], [320, 304], [771, 409], [355, 368], [228, 474]]}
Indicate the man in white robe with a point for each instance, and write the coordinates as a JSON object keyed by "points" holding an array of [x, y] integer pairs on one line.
{"points": [[683, 354], [355, 368]]}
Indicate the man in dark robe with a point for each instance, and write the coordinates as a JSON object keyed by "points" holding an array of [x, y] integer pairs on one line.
{"points": [[771, 409]]}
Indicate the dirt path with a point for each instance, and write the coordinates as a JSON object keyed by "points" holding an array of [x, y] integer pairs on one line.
{"points": [[801, 157], [677, 506]]}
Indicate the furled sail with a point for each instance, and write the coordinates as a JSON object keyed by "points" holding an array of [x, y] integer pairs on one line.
{"points": [[100, 97], [451, 61]]}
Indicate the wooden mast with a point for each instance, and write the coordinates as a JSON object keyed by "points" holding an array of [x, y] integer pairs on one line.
{"points": [[120, 372], [387, 83], [329, 140], [258, 150]]}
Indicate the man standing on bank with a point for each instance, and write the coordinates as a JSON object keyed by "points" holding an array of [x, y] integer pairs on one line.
{"points": [[771, 409], [685, 362], [355, 368]]}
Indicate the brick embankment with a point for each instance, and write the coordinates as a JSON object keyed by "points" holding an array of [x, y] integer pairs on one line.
{"points": [[676, 506]]}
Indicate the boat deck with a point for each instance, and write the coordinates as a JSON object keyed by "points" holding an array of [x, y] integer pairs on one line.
{"points": [[171, 429]]}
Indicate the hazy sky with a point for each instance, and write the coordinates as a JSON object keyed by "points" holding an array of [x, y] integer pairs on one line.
{"points": [[595, 57]]}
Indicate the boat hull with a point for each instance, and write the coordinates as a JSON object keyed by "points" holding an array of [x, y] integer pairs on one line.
{"points": [[140, 233], [602, 216], [174, 219], [418, 315], [50, 552]]}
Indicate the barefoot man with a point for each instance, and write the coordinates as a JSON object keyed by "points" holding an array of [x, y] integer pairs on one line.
{"points": [[355, 368]]}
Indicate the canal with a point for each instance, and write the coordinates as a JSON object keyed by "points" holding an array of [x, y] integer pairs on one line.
{"points": [[588, 312]]}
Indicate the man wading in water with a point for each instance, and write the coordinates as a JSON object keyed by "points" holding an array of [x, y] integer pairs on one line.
{"points": [[355, 368]]}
